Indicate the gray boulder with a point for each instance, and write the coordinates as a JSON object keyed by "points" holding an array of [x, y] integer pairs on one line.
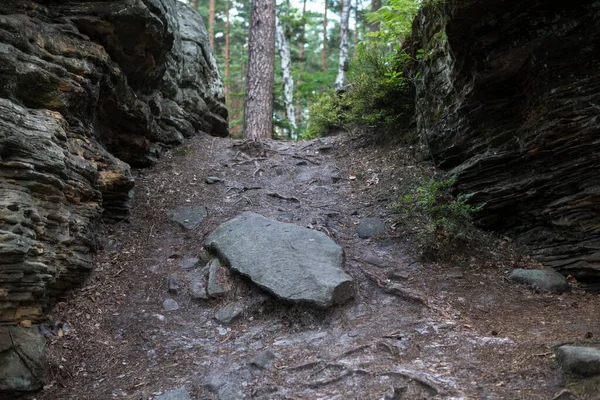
{"points": [[21, 360], [292, 262], [579, 360], [370, 227], [542, 279]]}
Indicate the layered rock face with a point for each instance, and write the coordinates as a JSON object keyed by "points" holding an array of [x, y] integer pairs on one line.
{"points": [[87, 89], [508, 100]]}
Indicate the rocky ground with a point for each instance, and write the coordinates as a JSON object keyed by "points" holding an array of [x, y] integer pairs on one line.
{"points": [[142, 327]]}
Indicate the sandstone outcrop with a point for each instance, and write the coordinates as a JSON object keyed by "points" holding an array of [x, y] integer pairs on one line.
{"points": [[508, 100], [86, 90]]}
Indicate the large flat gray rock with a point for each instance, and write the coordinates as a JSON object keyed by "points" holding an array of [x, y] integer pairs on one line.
{"points": [[542, 279], [579, 360], [292, 262]]}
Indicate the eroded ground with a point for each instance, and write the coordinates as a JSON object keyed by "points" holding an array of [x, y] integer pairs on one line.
{"points": [[437, 331]]}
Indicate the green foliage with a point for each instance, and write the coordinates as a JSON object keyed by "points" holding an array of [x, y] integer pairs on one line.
{"points": [[395, 20], [327, 112], [442, 222]]}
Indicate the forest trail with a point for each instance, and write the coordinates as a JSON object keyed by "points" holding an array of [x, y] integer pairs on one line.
{"points": [[414, 331]]}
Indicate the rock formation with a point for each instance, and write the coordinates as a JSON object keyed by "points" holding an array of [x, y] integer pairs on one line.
{"points": [[508, 100], [87, 89]]}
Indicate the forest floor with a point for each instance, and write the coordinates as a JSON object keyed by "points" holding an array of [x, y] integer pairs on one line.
{"points": [[458, 330]]}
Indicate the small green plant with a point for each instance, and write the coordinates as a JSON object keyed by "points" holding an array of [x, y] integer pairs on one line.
{"points": [[327, 112], [183, 151], [441, 221]]}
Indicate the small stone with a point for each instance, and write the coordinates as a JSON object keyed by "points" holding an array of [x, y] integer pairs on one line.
{"points": [[213, 179], [176, 394], [263, 360], [398, 275], [188, 263], [170, 305], [198, 289], [371, 227], [229, 312], [25, 323], [216, 274], [579, 360], [542, 279], [188, 217], [565, 395], [173, 284], [372, 259]]}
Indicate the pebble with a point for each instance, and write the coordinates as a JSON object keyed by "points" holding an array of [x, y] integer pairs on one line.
{"points": [[170, 305]]}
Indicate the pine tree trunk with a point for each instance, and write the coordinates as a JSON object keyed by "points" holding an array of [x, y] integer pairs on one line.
{"points": [[195, 5], [324, 50], [258, 108], [288, 81], [227, 49], [340, 81], [211, 23]]}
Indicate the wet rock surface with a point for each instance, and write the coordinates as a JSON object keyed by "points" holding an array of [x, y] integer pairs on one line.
{"points": [[506, 102], [292, 262], [81, 101]]}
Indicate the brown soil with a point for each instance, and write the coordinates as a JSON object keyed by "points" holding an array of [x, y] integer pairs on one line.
{"points": [[448, 330]]}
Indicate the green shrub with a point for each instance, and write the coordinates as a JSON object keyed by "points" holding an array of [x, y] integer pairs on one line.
{"points": [[442, 222], [327, 112]]}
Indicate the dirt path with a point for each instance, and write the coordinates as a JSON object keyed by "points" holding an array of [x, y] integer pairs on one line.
{"points": [[434, 331]]}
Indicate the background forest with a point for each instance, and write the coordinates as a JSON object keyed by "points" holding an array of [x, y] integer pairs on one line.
{"points": [[313, 32]]}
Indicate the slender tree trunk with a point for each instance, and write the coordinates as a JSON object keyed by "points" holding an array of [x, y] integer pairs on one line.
{"points": [[302, 63], [227, 49], [195, 3], [375, 5], [356, 29], [343, 67], [288, 80], [258, 107], [324, 50], [211, 23]]}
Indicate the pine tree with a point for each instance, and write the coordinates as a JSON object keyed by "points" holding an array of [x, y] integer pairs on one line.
{"points": [[258, 107], [211, 23], [324, 50]]}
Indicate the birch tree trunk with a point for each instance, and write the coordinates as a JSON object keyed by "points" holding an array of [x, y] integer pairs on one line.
{"points": [[343, 67], [302, 62], [288, 81], [258, 107], [324, 50]]}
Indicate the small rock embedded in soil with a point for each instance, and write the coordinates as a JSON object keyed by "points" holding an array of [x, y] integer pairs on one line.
{"points": [[579, 360], [371, 227], [212, 179], [398, 275], [216, 276], [188, 217], [170, 305], [263, 360], [176, 394], [542, 279], [173, 284], [198, 289], [229, 312], [188, 263], [292, 262]]}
